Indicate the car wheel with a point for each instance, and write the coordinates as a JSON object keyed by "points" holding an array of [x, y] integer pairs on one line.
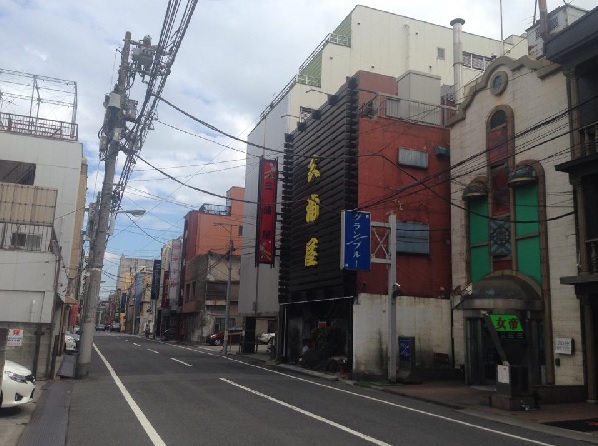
{"points": [[217, 342]]}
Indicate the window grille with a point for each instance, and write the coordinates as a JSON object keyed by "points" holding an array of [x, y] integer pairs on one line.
{"points": [[476, 61]]}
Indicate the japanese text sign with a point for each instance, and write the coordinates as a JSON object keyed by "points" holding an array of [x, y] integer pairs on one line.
{"points": [[355, 240]]}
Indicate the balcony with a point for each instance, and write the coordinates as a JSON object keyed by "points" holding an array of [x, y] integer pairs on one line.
{"points": [[38, 127]]}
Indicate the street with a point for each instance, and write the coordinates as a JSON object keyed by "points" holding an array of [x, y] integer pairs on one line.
{"points": [[146, 392]]}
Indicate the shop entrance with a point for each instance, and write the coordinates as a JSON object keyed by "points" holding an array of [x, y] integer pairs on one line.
{"points": [[483, 355]]}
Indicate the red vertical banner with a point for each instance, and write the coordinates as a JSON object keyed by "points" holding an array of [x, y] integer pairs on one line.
{"points": [[266, 212]]}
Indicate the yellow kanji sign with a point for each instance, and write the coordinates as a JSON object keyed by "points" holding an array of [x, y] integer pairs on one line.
{"points": [[311, 252], [312, 170], [312, 209]]}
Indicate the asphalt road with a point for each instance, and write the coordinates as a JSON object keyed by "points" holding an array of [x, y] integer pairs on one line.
{"points": [[144, 392]]}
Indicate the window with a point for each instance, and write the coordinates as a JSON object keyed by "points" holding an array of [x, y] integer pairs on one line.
{"points": [[240, 233], [440, 53], [215, 290], [414, 158], [476, 61], [413, 238], [504, 224], [16, 172], [28, 242]]}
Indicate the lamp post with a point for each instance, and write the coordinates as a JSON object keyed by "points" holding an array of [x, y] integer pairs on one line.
{"points": [[133, 212]]}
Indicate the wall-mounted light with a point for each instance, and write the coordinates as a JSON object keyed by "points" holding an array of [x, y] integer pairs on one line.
{"points": [[477, 188], [523, 174]]}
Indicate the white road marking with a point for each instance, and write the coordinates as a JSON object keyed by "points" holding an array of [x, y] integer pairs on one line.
{"points": [[400, 406], [136, 345], [153, 350], [145, 424], [309, 414], [188, 365]]}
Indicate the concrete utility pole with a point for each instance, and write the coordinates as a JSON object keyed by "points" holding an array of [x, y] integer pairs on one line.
{"points": [[113, 126], [231, 248]]}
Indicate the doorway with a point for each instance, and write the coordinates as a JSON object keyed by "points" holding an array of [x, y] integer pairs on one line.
{"points": [[482, 354]]}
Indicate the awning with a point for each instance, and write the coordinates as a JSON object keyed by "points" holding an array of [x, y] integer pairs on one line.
{"points": [[502, 292]]}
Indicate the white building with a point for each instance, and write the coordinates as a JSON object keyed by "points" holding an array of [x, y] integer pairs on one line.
{"points": [[367, 39], [41, 188]]}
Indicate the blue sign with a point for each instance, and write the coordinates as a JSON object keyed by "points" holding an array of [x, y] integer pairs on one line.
{"points": [[123, 302], [355, 240], [404, 348]]}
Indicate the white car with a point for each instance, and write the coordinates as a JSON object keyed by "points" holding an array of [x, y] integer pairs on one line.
{"points": [[70, 343], [18, 385]]}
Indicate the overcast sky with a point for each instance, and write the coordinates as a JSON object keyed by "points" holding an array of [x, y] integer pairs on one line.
{"points": [[235, 57]]}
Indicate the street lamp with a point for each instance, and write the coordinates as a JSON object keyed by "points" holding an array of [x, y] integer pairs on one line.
{"points": [[133, 212]]}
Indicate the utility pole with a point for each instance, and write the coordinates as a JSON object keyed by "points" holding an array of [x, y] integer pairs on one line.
{"points": [[113, 129], [231, 248]]}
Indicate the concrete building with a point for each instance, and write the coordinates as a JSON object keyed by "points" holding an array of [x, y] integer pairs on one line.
{"points": [[128, 268], [42, 184], [576, 50], [367, 39], [374, 151], [209, 230], [513, 232]]}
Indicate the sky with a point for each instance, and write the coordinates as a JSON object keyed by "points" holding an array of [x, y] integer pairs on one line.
{"points": [[234, 59]]}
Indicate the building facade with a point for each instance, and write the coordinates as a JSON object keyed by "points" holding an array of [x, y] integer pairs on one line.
{"points": [[40, 213], [213, 229], [513, 230], [575, 50], [368, 39], [372, 150]]}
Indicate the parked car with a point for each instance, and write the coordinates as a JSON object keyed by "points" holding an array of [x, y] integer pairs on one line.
{"points": [[101, 327], [235, 335], [70, 343], [18, 385], [115, 326], [265, 338]]}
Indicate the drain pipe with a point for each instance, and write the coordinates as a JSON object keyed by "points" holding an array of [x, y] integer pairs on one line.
{"points": [[457, 59]]}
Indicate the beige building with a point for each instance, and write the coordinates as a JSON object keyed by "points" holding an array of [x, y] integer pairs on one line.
{"points": [[513, 231]]}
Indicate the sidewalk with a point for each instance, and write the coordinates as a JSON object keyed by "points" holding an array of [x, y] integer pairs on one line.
{"points": [[44, 422]]}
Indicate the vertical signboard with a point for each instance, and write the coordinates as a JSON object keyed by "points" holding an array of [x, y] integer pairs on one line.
{"points": [[123, 302], [266, 212], [156, 279], [175, 272], [355, 240], [138, 288], [165, 290]]}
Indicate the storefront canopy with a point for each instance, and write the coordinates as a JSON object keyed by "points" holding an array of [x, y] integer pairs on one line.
{"points": [[503, 292]]}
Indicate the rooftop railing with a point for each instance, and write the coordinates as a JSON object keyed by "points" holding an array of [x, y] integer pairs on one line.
{"points": [[38, 127], [408, 110]]}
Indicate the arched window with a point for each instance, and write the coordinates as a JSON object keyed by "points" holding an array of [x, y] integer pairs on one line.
{"points": [[503, 208]]}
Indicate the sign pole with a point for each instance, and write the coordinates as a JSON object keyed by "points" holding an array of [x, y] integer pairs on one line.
{"points": [[391, 306]]}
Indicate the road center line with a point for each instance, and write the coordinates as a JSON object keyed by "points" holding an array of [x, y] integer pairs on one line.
{"points": [[145, 424], [188, 365], [309, 414], [153, 350]]}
